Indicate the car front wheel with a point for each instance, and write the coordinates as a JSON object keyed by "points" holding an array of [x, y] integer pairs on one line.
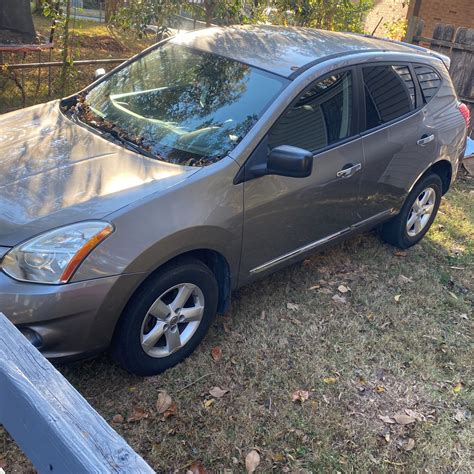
{"points": [[417, 214], [167, 318]]}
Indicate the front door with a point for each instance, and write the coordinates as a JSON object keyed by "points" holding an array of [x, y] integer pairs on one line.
{"points": [[283, 216]]}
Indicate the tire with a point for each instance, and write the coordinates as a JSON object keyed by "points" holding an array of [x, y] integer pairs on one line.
{"points": [[397, 231], [134, 346]]}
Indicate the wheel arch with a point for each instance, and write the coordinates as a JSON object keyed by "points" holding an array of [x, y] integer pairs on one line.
{"points": [[444, 169]]}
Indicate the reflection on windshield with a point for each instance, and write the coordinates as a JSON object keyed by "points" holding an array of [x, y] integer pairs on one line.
{"points": [[181, 105]]}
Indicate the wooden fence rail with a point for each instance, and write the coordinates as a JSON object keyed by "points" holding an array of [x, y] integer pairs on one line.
{"points": [[48, 418]]}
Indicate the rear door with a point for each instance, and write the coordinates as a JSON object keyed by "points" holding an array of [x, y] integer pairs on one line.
{"points": [[397, 143]]}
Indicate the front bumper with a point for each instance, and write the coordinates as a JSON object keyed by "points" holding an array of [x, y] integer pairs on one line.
{"points": [[67, 321]]}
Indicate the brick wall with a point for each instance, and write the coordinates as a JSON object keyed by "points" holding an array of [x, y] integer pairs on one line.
{"points": [[453, 12], [392, 11]]}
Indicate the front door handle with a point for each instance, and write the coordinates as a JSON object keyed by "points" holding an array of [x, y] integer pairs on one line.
{"points": [[349, 170], [425, 139]]}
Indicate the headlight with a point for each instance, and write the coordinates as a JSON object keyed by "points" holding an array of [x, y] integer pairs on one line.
{"points": [[54, 256]]}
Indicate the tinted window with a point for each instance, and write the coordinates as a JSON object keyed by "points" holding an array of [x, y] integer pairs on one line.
{"points": [[321, 116], [389, 93], [429, 81]]}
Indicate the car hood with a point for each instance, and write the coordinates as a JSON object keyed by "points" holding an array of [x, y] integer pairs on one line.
{"points": [[54, 172]]}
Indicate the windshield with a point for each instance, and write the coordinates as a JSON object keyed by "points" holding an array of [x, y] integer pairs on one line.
{"points": [[181, 105]]}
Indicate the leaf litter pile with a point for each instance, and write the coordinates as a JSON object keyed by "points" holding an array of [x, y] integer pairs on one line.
{"points": [[293, 379]]}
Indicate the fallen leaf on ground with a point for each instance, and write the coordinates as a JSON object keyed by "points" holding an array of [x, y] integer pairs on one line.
{"points": [[196, 467], [460, 415], [252, 460], [453, 295], [118, 418], [403, 419], [315, 287], [414, 414], [216, 353], [292, 306], [209, 403], [343, 289], [171, 411], [457, 388], [325, 291], [329, 380], [380, 389], [218, 392], [405, 279], [397, 298], [386, 419], [137, 415], [279, 457], [339, 299], [410, 444], [300, 396], [164, 402], [400, 253]]}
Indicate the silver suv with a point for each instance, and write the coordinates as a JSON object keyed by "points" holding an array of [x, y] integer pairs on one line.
{"points": [[131, 210]]}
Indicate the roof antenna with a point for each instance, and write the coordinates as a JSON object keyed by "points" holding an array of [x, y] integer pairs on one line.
{"points": [[378, 24]]}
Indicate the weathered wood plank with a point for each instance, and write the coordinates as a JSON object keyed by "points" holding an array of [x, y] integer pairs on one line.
{"points": [[448, 44], [462, 64], [48, 418]]}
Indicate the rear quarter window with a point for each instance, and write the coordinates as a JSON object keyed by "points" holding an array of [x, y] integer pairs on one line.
{"points": [[429, 80]]}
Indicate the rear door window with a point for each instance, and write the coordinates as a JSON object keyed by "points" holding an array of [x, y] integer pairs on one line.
{"points": [[429, 81], [389, 93]]}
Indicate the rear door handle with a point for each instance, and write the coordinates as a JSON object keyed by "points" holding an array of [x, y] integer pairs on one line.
{"points": [[349, 170], [425, 139]]}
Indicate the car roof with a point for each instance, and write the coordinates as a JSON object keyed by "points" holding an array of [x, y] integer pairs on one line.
{"points": [[284, 50]]}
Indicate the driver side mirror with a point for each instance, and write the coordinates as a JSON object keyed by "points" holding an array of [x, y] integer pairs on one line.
{"points": [[286, 160]]}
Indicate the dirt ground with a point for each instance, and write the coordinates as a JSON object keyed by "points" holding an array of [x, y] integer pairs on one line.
{"points": [[387, 366]]}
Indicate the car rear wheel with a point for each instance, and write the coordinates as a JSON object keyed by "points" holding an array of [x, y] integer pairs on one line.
{"points": [[167, 318], [417, 214]]}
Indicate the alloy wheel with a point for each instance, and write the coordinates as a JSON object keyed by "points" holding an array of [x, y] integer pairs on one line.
{"points": [[421, 211], [172, 320]]}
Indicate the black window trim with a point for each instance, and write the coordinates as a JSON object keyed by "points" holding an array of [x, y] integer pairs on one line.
{"points": [[419, 102]]}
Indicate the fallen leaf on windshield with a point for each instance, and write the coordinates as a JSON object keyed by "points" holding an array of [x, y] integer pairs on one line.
{"points": [[218, 392], [164, 402], [137, 415], [252, 460], [216, 353], [300, 396]]}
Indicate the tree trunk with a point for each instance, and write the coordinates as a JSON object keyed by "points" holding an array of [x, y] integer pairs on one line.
{"points": [[15, 15]]}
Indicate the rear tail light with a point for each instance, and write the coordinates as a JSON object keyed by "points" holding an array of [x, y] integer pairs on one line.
{"points": [[464, 109]]}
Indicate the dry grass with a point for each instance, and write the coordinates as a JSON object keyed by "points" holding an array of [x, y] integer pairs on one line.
{"points": [[367, 357]]}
